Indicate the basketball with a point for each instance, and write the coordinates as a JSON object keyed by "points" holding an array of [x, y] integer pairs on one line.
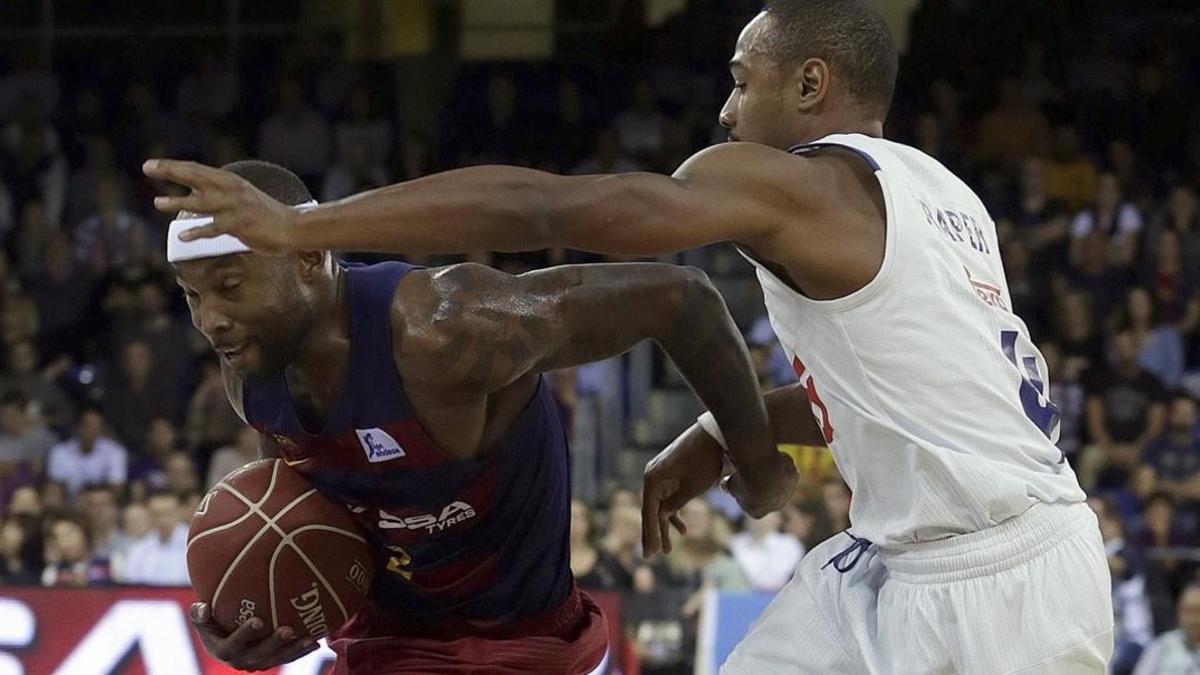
{"points": [[264, 543]]}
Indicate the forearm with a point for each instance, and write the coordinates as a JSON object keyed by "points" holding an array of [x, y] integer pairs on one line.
{"points": [[791, 418], [708, 350], [498, 208]]}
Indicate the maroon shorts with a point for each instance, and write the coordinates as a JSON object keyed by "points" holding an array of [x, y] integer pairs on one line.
{"points": [[574, 641]]}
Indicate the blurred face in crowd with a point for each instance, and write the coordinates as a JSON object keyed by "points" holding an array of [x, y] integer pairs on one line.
{"points": [[89, 429], [1033, 177], [137, 361], [160, 437], [1189, 614], [1182, 205], [1125, 350], [1182, 420], [247, 442], [1169, 259], [761, 527], [837, 499], [1159, 513], [625, 527], [697, 515], [624, 498], [181, 473], [25, 501], [54, 495], [70, 540], [1108, 191], [12, 537], [254, 310], [164, 514], [135, 521], [581, 525], [1140, 306], [22, 359], [798, 522], [12, 418], [100, 504]]}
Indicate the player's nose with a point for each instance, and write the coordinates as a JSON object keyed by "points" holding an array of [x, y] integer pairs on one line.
{"points": [[213, 323]]}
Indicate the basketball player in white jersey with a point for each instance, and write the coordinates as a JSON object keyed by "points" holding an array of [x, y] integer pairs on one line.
{"points": [[971, 550]]}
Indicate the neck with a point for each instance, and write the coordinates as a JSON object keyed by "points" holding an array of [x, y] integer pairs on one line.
{"points": [[326, 345], [866, 127]]}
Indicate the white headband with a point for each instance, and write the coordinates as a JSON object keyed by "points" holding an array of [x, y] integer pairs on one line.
{"points": [[222, 244]]}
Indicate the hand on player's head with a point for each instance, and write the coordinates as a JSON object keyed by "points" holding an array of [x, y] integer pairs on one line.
{"points": [[236, 206], [251, 646]]}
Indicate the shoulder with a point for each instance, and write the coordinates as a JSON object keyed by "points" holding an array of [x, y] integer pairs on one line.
{"points": [[752, 163]]}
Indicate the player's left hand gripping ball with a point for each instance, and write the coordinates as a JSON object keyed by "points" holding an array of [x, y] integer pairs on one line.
{"points": [[236, 207]]}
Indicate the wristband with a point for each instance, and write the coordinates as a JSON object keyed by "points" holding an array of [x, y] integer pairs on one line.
{"points": [[709, 424]]}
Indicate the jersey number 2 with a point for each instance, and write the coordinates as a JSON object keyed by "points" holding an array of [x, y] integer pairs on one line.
{"points": [[1034, 398]]}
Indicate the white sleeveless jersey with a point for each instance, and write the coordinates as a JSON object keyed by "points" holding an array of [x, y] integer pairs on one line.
{"points": [[926, 386]]}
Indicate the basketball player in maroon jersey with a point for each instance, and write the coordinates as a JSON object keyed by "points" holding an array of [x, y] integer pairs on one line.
{"points": [[415, 396]]}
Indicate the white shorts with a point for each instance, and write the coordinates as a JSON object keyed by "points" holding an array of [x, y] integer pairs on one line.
{"points": [[1030, 595]]}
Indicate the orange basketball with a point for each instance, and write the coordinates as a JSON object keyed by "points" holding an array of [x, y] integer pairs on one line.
{"points": [[264, 543]]}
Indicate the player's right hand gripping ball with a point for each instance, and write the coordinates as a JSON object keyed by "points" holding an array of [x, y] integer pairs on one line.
{"points": [[264, 543]]}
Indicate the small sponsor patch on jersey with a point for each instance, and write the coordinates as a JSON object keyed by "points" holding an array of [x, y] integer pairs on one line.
{"points": [[379, 445]]}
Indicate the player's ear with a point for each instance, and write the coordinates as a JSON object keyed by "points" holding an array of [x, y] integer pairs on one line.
{"points": [[810, 83], [312, 263]]}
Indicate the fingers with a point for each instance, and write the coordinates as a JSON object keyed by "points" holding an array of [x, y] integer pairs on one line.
{"points": [[680, 526], [664, 529], [213, 229], [239, 641], [651, 536], [193, 202], [190, 174]]}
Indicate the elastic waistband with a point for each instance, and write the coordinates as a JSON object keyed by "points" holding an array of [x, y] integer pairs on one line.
{"points": [[997, 548]]}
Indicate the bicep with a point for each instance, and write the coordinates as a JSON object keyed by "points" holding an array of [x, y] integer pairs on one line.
{"points": [[731, 192]]}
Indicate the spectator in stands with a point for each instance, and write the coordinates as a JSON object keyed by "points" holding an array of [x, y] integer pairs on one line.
{"points": [[353, 174], [137, 395], [1039, 219], [99, 504], [24, 441], [766, 556], [61, 291], [105, 237], [1067, 394], [590, 566], [836, 496], [1165, 573], [1117, 220], [53, 496], [160, 557], [180, 474], [1181, 215], [1133, 625], [231, 457], [135, 521], [1070, 175], [20, 557], [212, 90], [297, 136], [99, 167], [31, 238], [1176, 652], [703, 550], [69, 558], [170, 339], [89, 457], [1076, 334], [1159, 343], [34, 166], [211, 422], [1173, 285], [806, 520], [641, 128], [1175, 456], [149, 469], [1013, 128], [608, 157], [364, 128], [1125, 410], [25, 501], [622, 543]]}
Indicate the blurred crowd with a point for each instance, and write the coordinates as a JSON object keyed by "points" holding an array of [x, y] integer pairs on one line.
{"points": [[113, 419]]}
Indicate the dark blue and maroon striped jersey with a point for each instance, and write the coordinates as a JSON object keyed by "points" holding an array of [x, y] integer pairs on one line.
{"points": [[481, 541]]}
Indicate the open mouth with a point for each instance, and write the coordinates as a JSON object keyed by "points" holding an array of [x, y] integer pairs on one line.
{"points": [[231, 353]]}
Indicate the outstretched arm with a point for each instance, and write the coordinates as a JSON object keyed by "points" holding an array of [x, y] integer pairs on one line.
{"points": [[494, 328], [729, 192]]}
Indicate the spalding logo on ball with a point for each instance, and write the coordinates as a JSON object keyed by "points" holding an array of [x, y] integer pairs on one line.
{"points": [[264, 543]]}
